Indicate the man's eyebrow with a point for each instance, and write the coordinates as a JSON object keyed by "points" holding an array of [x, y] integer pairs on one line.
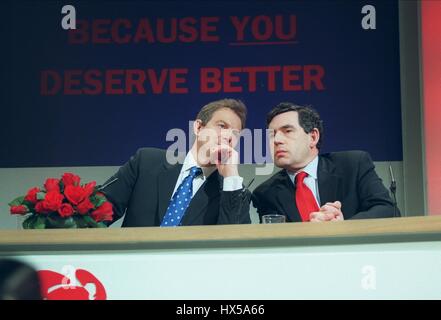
{"points": [[229, 125], [286, 126], [223, 121]]}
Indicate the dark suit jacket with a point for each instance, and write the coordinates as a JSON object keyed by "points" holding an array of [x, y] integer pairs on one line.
{"points": [[145, 185], [348, 177]]}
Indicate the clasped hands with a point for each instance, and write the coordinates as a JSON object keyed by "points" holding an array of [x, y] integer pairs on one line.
{"points": [[331, 211]]}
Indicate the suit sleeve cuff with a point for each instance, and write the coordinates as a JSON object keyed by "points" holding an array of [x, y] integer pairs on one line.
{"points": [[232, 183]]}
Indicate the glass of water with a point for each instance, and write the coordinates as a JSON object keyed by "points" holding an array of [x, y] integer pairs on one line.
{"points": [[273, 218]]}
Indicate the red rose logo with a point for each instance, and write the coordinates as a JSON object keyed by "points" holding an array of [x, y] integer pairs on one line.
{"points": [[70, 179], [85, 286], [103, 213]]}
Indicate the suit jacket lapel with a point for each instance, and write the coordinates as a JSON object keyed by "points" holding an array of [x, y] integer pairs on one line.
{"points": [[207, 193], [328, 181], [285, 194], [166, 184]]}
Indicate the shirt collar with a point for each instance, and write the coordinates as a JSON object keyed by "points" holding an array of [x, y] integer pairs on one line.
{"points": [[310, 169], [190, 162]]}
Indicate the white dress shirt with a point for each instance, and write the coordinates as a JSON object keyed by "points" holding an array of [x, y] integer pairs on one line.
{"points": [[231, 183], [310, 180]]}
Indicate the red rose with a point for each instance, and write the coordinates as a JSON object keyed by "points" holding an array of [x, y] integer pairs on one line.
{"points": [[65, 210], [32, 195], [70, 179], [75, 194], [52, 184], [85, 206], [103, 213], [89, 188], [52, 201], [19, 209], [39, 208]]}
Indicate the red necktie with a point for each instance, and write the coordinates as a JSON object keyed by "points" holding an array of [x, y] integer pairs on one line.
{"points": [[305, 200]]}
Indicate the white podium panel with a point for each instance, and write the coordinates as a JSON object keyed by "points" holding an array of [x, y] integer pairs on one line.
{"points": [[346, 260]]}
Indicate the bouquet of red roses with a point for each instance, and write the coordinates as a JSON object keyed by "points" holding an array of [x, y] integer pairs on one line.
{"points": [[63, 203]]}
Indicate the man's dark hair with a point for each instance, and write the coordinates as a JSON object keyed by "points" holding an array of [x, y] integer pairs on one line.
{"points": [[308, 117], [18, 281], [236, 106]]}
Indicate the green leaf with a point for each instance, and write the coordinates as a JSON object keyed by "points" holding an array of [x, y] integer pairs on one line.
{"points": [[29, 221], [70, 223], [40, 223], [90, 222], [101, 225], [60, 222], [80, 221], [97, 200], [28, 204], [17, 201]]}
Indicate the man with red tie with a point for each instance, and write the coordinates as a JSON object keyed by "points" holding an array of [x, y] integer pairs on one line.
{"points": [[316, 187]]}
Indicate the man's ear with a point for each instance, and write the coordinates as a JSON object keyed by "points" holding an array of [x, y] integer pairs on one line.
{"points": [[197, 126], [315, 137]]}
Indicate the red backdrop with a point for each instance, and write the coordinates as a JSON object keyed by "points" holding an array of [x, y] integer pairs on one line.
{"points": [[431, 63]]}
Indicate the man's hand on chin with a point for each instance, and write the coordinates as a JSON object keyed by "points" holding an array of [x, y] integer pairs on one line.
{"points": [[226, 160]]}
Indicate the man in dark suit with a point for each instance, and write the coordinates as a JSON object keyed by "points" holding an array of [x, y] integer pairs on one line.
{"points": [[312, 187], [151, 189]]}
